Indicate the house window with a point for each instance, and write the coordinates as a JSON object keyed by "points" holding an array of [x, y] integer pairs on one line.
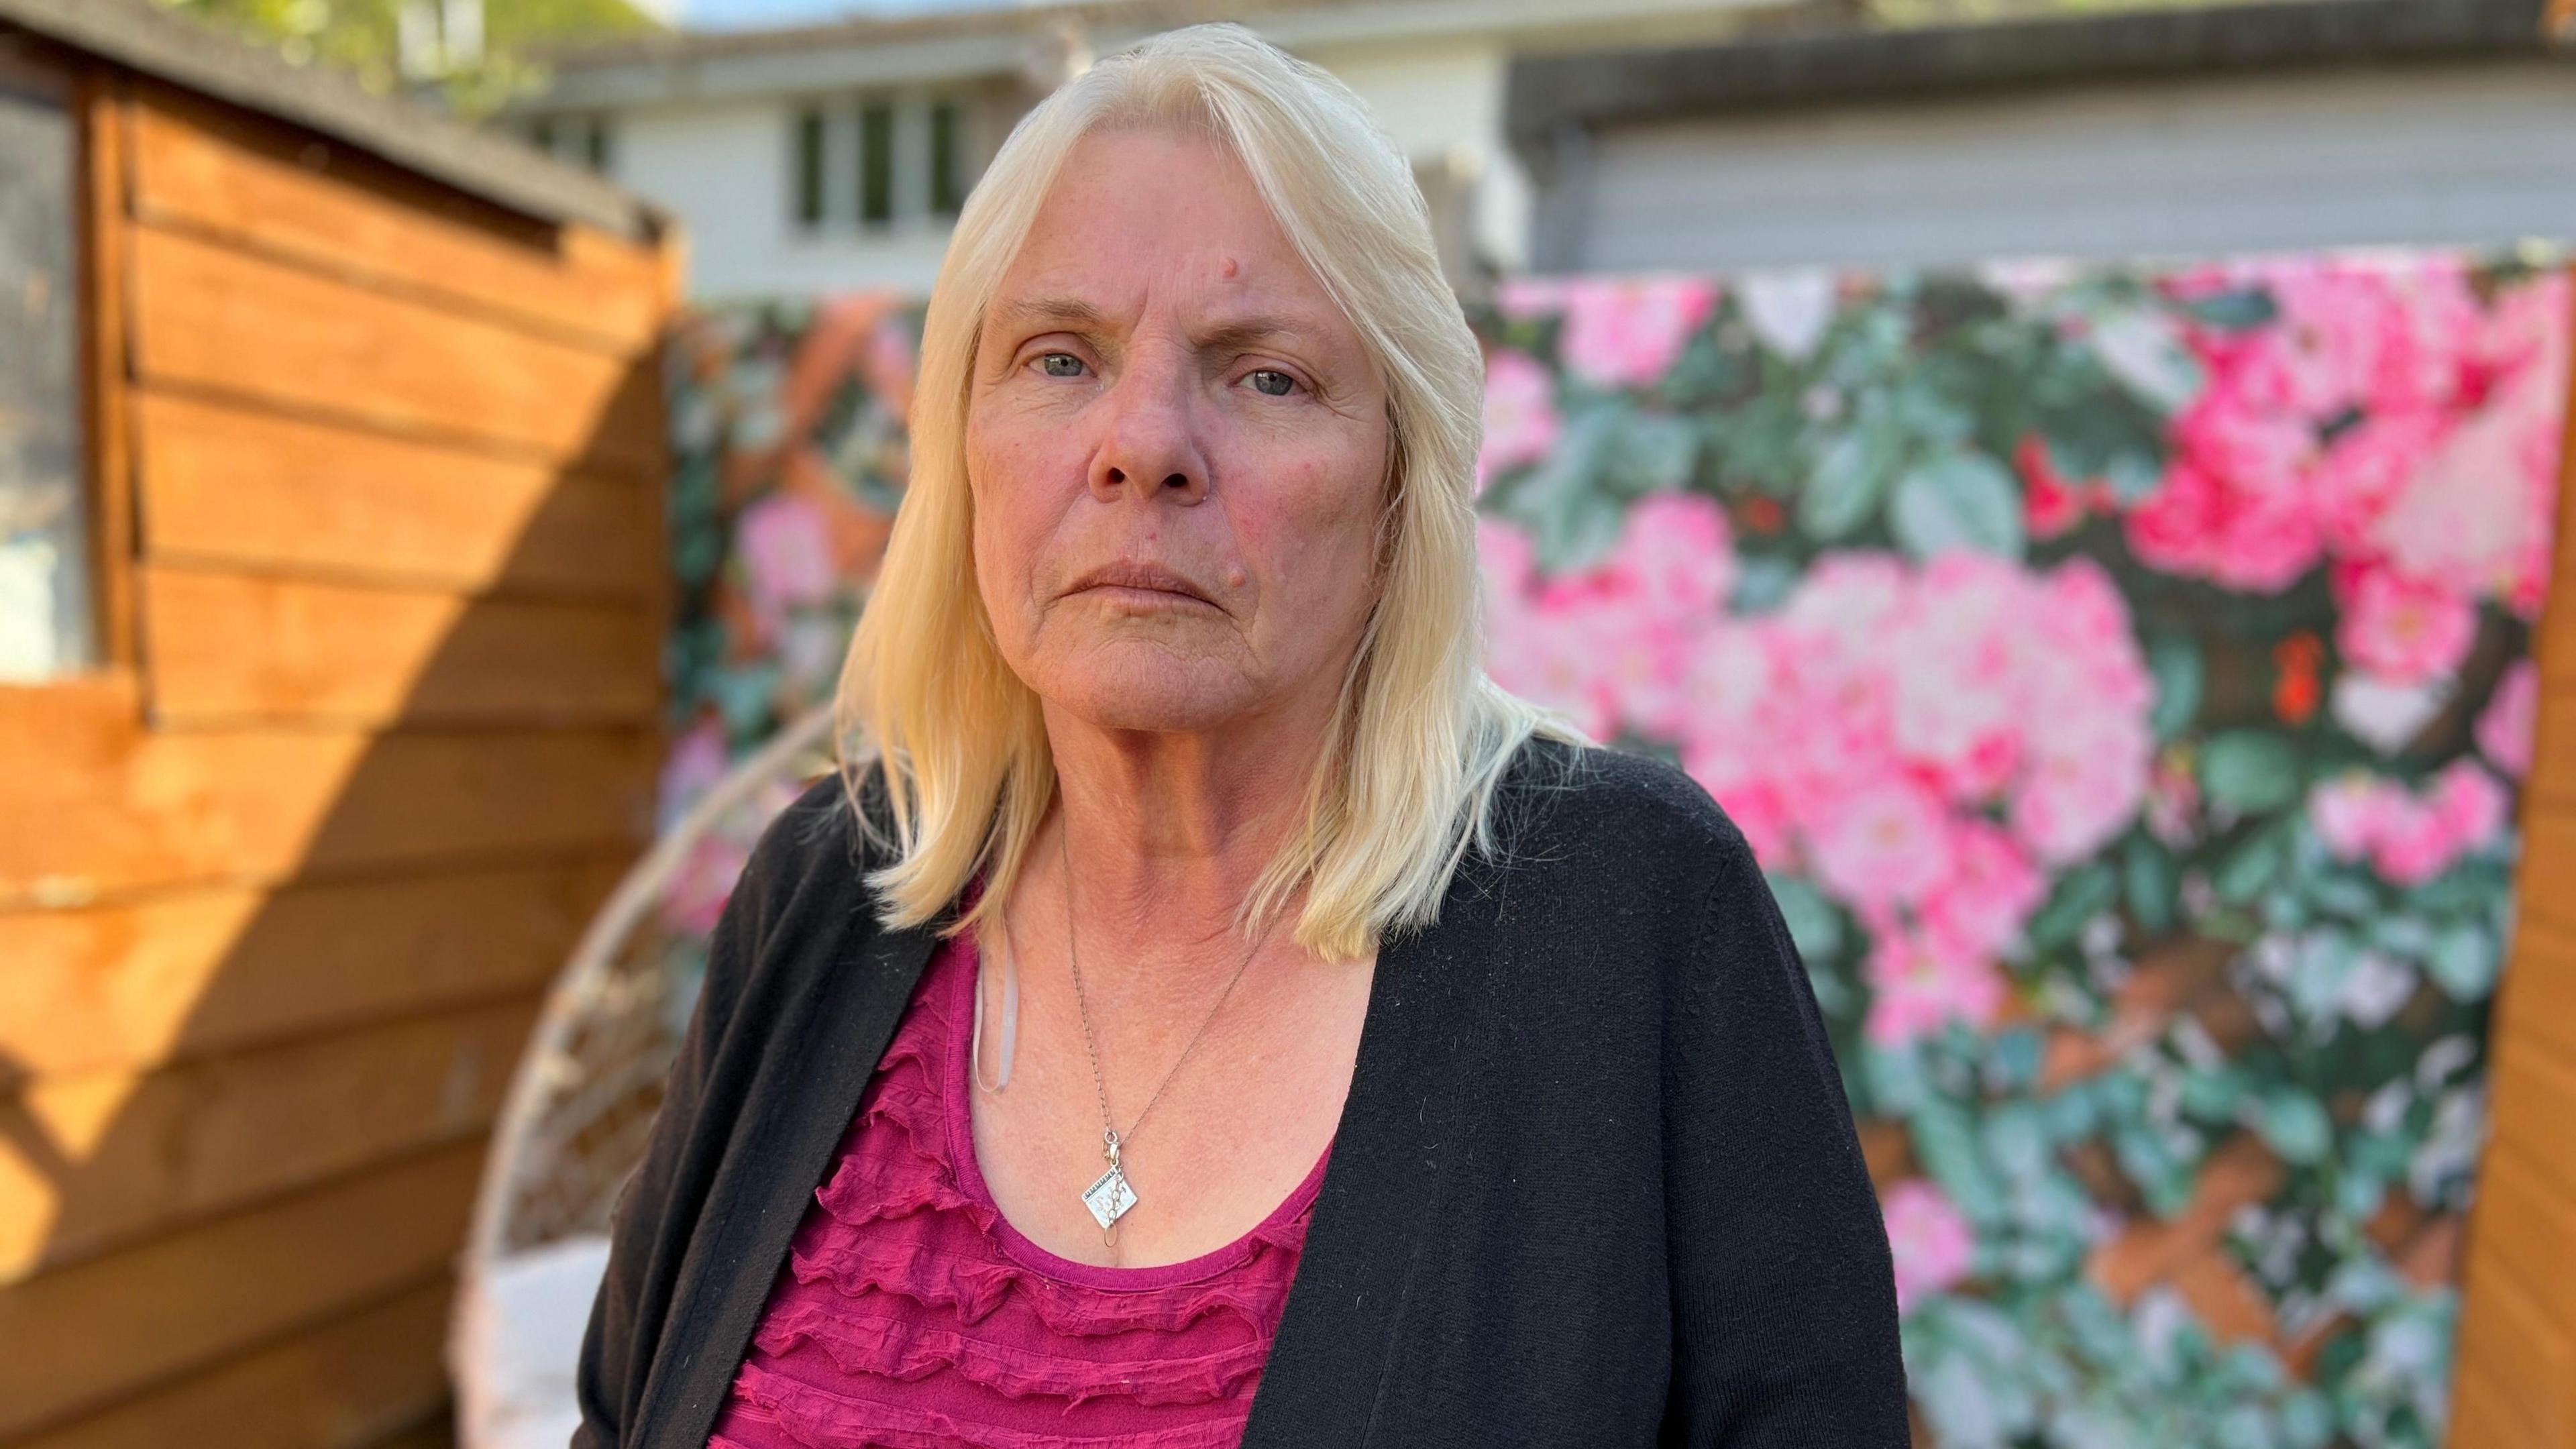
{"points": [[809, 168], [586, 141], [876, 163], [947, 188], [47, 628]]}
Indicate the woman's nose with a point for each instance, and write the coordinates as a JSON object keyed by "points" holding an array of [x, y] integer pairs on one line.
{"points": [[1151, 448]]}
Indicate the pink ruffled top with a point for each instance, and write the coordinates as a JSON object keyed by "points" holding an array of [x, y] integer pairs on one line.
{"points": [[911, 1315]]}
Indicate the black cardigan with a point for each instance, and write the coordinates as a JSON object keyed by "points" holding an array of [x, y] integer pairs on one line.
{"points": [[1596, 1182]]}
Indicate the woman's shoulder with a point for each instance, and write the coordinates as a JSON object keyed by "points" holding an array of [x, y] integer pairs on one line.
{"points": [[805, 879], [1625, 818]]}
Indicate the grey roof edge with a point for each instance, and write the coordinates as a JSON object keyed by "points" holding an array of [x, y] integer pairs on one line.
{"points": [[676, 47], [140, 37], [1544, 95]]}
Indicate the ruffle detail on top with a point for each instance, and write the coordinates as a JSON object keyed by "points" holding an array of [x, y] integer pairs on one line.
{"points": [[910, 1349], [893, 1257], [884, 1175], [891, 1187], [822, 1419], [910, 1315]]}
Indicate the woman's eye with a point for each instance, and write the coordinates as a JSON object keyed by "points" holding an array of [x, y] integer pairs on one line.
{"points": [[1050, 359], [1284, 383]]}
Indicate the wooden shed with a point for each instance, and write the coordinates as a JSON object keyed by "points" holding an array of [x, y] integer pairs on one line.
{"points": [[331, 604]]}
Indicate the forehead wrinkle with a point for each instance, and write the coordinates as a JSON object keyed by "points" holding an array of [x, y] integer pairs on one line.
{"points": [[1074, 314]]}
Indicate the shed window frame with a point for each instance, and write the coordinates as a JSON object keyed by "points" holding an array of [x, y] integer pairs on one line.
{"points": [[87, 96]]}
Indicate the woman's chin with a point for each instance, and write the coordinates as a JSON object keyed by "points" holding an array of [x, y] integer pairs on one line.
{"points": [[1149, 689]]}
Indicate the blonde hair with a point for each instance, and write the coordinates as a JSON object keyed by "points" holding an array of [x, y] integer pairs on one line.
{"points": [[1404, 783]]}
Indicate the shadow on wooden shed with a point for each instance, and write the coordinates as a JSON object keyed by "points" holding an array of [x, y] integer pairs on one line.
{"points": [[379, 476]]}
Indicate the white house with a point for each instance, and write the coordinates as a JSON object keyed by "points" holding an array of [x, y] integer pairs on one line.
{"points": [[831, 157], [2278, 126]]}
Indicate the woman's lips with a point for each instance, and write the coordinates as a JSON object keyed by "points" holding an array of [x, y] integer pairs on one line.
{"points": [[1141, 584]]}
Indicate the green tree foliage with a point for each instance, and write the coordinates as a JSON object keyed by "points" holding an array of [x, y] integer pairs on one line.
{"points": [[365, 37]]}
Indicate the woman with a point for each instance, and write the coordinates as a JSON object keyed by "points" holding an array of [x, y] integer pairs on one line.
{"points": [[1213, 1012]]}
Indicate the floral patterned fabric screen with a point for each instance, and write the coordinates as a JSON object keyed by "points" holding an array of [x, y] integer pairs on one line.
{"points": [[2123, 676]]}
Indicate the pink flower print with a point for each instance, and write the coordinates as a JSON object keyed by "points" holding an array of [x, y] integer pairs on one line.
{"points": [[1919, 983], [1508, 560], [2410, 839], [891, 363], [2171, 528], [2414, 846], [1929, 1238], [2198, 524], [1727, 693], [2085, 626], [2086, 778], [2353, 812], [695, 897], [2468, 807], [2173, 799], [2403, 631], [696, 762], [2505, 727], [1521, 299], [2365, 469], [1521, 423], [785, 547], [2052, 503], [1559, 656], [1678, 553], [1989, 895], [2469, 517], [1627, 333], [1880, 843]]}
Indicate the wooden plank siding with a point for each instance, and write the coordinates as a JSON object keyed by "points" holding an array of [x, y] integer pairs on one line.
{"points": [[205, 322], [349, 1381], [2516, 1384], [199, 1138], [231, 648], [378, 468], [179, 975], [90, 1335], [203, 166], [259, 493]]}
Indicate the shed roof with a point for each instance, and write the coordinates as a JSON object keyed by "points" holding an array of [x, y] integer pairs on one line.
{"points": [[1612, 87], [141, 37]]}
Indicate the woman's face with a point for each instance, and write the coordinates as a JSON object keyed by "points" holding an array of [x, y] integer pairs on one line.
{"points": [[1177, 450]]}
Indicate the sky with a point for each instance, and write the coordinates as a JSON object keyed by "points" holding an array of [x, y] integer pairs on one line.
{"points": [[745, 14]]}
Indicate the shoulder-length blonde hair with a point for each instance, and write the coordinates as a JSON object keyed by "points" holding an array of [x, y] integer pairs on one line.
{"points": [[1404, 784]]}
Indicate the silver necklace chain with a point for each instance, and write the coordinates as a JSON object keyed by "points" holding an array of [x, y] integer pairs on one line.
{"points": [[1119, 1196]]}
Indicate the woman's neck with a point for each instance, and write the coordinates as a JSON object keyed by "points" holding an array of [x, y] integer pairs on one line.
{"points": [[1167, 832]]}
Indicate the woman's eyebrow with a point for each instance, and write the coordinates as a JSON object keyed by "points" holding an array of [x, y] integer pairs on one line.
{"points": [[1069, 313], [1075, 315], [1248, 331]]}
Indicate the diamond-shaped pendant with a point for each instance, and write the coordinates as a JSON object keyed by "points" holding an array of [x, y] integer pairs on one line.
{"points": [[1109, 1197]]}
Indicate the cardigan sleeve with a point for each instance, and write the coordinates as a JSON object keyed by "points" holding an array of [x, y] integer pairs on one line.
{"points": [[1784, 1296], [646, 1227]]}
